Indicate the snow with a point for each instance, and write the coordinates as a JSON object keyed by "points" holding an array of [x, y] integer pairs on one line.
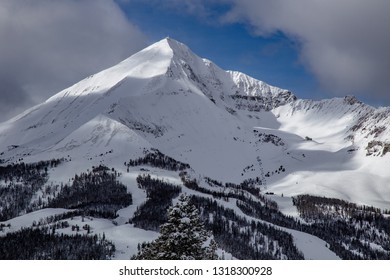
{"points": [[312, 247], [28, 219], [285, 205], [125, 237], [168, 98], [252, 87], [185, 220]]}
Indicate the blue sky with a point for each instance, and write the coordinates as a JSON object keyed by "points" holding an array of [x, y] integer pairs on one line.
{"points": [[273, 58], [317, 49]]}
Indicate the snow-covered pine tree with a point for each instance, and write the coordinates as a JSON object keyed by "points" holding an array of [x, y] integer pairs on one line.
{"points": [[183, 237]]}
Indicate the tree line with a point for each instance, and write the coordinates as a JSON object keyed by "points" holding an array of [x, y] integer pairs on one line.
{"points": [[157, 159], [152, 213], [231, 232], [245, 239], [348, 238], [97, 193], [41, 244], [21, 182]]}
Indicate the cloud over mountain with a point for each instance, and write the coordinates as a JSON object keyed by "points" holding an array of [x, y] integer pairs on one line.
{"points": [[47, 45], [344, 43]]}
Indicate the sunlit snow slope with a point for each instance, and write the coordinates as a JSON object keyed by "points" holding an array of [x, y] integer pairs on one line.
{"points": [[224, 124], [217, 121]]}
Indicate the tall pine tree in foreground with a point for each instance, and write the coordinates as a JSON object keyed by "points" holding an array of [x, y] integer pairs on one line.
{"points": [[183, 237]]}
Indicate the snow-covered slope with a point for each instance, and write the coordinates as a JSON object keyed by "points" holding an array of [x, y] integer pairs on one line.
{"points": [[335, 139], [172, 99], [226, 125]]}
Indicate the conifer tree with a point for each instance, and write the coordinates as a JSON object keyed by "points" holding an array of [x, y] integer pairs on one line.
{"points": [[183, 237]]}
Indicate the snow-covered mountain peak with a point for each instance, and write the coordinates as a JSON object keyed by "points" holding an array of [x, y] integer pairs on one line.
{"points": [[219, 135], [252, 86], [256, 91], [148, 63]]}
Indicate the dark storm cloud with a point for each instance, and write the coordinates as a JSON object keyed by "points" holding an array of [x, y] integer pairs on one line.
{"points": [[346, 44], [13, 97], [47, 45]]}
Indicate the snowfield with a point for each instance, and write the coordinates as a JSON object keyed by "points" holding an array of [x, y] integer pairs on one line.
{"points": [[224, 124]]}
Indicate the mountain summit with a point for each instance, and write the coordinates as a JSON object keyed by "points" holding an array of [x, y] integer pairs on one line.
{"points": [[168, 98], [162, 90], [166, 121]]}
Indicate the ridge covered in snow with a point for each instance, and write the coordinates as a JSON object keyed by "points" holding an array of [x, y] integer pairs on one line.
{"points": [[225, 125]]}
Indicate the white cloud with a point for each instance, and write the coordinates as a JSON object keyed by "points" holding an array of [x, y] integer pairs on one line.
{"points": [[47, 45], [346, 43]]}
